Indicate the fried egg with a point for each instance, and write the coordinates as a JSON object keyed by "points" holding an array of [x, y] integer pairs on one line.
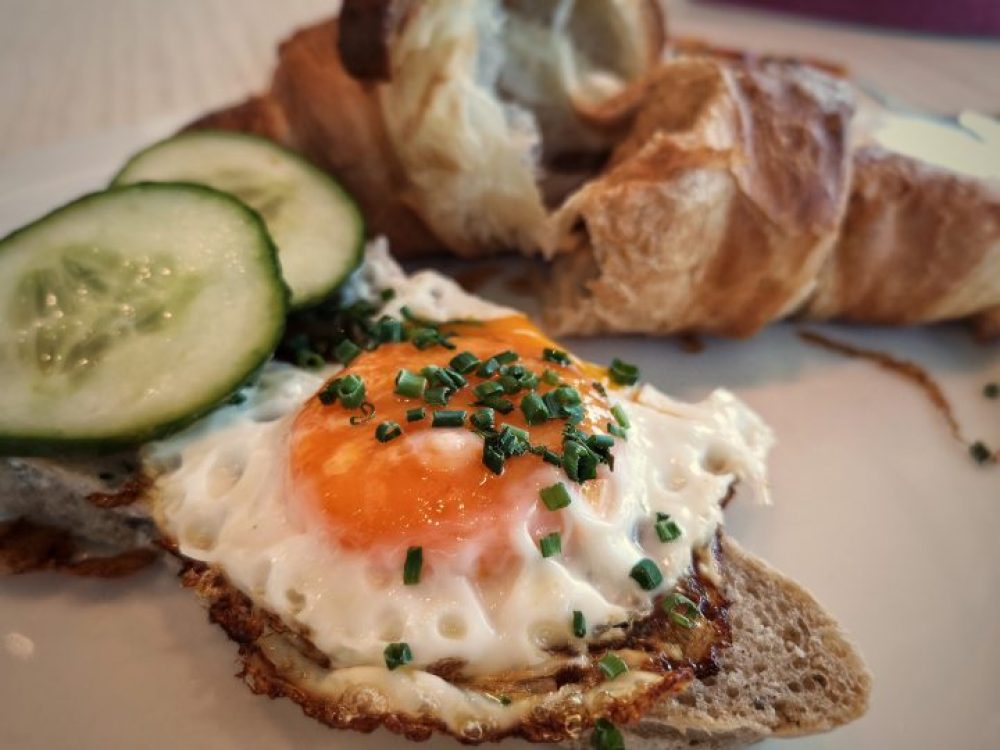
{"points": [[309, 513]]}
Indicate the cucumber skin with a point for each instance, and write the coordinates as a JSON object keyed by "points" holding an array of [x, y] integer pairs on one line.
{"points": [[56, 446], [359, 244]]}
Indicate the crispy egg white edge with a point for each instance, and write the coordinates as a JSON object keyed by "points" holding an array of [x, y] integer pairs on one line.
{"points": [[732, 443]]}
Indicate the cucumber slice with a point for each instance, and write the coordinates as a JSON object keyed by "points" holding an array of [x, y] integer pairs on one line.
{"points": [[317, 227], [129, 313]]}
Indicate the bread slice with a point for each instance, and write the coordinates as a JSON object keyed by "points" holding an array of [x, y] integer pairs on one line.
{"points": [[789, 669], [76, 515]]}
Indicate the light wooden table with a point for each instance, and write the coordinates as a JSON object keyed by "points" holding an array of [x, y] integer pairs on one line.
{"points": [[71, 69]]}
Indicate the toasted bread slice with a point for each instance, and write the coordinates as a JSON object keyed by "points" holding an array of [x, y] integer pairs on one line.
{"points": [[788, 670]]}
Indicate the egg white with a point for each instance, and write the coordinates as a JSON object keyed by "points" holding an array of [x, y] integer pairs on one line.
{"points": [[222, 493]]}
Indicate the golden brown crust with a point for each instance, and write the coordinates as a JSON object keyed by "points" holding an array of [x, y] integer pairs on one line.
{"points": [[315, 107], [718, 209], [27, 547], [918, 244], [561, 716]]}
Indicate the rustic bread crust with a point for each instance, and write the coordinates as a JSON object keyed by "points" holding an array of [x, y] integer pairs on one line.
{"points": [[717, 211]]}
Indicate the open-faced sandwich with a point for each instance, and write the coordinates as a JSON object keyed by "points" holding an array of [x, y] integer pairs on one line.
{"points": [[424, 514]]}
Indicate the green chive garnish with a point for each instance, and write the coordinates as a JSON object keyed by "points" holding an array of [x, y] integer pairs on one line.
{"points": [[346, 351], [308, 359], [409, 384], [465, 362], [509, 383], [550, 544], [556, 496], [412, 566], [351, 391], [513, 441], [617, 430], [623, 373], [488, 368], [646, 574], [579, 624], [620, 416], [415, 414], [447, 418], [556, 355], [498, 403], [506, 357], [387, 294], [328, 395], [666, 528], [388, 330], [980, 452], [579, 461], [600, 443], [681, 610], [991, 390], [387, 431], [483, 419], [547, 455], [397, 654], [437, 396], [567, 395], [612, 666], [487, 389], [493, 458], [551, 377], [534, 409], [606, 736], [367, 413]]}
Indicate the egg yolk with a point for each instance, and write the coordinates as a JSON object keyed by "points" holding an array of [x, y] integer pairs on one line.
{"points": [[429, 486]]}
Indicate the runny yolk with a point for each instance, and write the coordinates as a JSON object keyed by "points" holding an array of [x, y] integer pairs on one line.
{"points": [[429, 486]]}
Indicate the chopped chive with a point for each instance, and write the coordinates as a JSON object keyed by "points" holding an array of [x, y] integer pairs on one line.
{"points": [[387, 431], [646, 574], [509, 383], [991, 390], [328, 395], [409, 384], [493, 458], [351, 391], [579, 624], [367, 412], [573, 414], [451, 378], [465, 362], [688, 614], [623, 373], [437, 396], [498, 403], [612, 666], [617, 430], [666, 528], [600, 443], [397, 654], [484, 390], [606, 736], [534, 409], [413, 565], [483, 419], [980, 452], [388, 330], [308, 359], [506, 357], [547, 455], [387, 294], [488, 368], [567, 395], [415, 414], [448, 418], [579, 461], [528, 381], [425, 338], [550, 544], [346, 351], [551, 377], [620, 416], [555, 497], [513, 441], [556, 355]]}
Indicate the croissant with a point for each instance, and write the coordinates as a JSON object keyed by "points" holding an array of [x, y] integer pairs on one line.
{"points": [[669, 191]]}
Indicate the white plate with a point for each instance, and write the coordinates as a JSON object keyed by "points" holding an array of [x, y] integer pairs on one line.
{"points": [[877, 510]]}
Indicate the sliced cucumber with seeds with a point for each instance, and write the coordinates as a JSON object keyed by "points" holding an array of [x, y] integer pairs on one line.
{"points": [[129, 313], [317, 227]]}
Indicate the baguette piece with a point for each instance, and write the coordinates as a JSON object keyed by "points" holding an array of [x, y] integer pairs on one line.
{"points": [[717, 211]]}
